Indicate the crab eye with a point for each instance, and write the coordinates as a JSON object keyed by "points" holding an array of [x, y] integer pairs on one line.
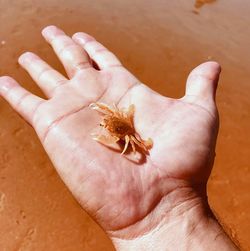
{"points": [[100, 124]]}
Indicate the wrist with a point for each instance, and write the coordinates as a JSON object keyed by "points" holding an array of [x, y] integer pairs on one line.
{"points": [[186, 225]]}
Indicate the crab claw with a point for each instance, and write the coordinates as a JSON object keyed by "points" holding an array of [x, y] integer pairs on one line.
{"points": [[148, 143]]}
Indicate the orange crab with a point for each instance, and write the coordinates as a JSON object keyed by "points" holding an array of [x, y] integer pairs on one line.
{"points": [[119, 125]]}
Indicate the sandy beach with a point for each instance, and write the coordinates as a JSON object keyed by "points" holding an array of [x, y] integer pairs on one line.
{"points": [[160, 42]]}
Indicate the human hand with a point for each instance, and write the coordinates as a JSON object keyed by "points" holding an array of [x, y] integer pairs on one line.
{"points": [[125, 198]]}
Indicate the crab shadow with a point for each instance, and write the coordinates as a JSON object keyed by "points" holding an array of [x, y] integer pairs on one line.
{"points": [[138, 158]]}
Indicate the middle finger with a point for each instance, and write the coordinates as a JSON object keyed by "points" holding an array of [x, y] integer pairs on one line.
{"points": [[72, 56]]}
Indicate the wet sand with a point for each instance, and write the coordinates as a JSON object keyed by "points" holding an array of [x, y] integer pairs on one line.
{"points": [[160, 42]]}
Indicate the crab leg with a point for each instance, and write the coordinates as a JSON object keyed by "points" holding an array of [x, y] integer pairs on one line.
{"points": [[146, 143], [126, 144], [106, 140], [133, 145], [138, 143], [118, 112], [102, 108]]}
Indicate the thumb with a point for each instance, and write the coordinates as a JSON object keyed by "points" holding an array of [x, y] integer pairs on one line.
{"points": [[203, 80]]}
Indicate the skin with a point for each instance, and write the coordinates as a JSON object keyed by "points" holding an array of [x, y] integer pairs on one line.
{"points": [[138, 204]]}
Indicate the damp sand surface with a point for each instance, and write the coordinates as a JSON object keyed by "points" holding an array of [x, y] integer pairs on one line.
{"points": [[160, 42]]}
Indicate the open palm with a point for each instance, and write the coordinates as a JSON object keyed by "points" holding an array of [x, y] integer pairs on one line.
{"points": [[115, 190]]}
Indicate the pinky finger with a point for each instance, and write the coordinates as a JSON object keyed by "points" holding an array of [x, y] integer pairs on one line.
{"points": [[21, 100]]}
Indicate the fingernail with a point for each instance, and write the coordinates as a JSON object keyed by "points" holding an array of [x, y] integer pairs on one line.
{"points": [[5, 84], [51, 31], [26, 57], [82, 37]]}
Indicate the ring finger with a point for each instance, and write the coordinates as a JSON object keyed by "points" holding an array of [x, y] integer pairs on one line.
{"points": [[44, 75]]}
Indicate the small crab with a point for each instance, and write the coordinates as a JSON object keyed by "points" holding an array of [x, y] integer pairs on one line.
{"points": [[119, 125]]}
